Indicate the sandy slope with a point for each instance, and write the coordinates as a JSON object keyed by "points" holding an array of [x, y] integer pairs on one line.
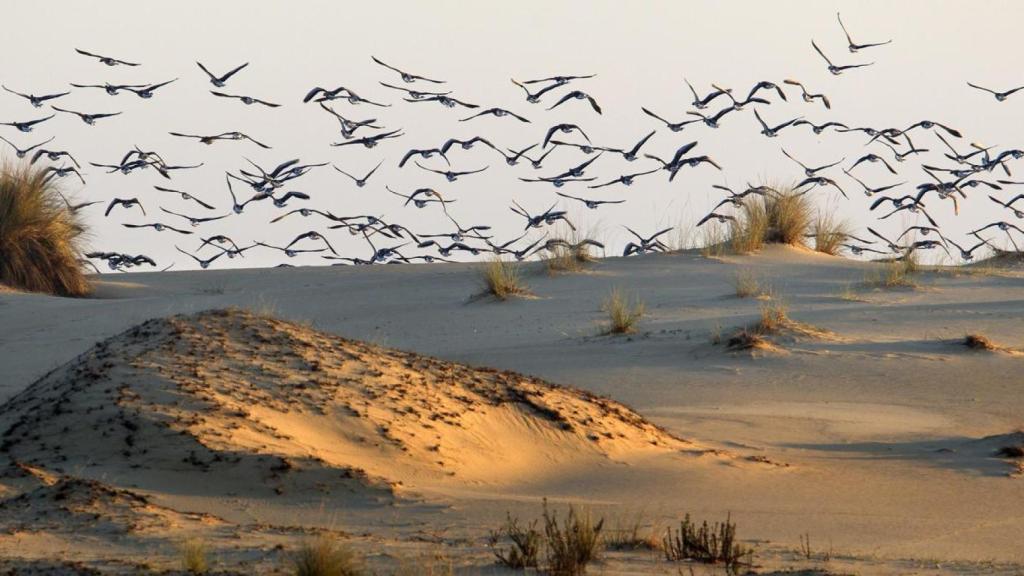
{"points": [[888, 429]]}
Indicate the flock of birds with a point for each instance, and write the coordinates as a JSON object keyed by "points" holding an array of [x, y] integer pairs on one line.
{"points": [[965, 167]]}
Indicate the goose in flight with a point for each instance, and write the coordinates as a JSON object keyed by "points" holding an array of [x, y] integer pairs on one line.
{"points": [[247, 100], [807, 96], [968, 253], [625, 179], [184, 196], [896, 201], [349, 127], [106, 59], [431, 195], [765, 85], [702, 103], [577, 95], [220, 81], [631, 154], [911, 149], [929, 125], [1009, 204], [414, 94], [534, 97], [159, 227], [466, 144], [224, 136], [371, 141], [894, 247], [424, 153], [808, 171], [497, 113], [999, 96], [815, 181], [311, 235], [772, 131], [564, 129], [73, 208], [37, 101], [204, 263], [53, 156], [450, 175], [146, 92], [645, 244], [853, 46], [51, 172], [27, 125], [868, 190], [559, 80], [360, 182], [406, 77], [513, 157], [592, 204], [446, 101], [194, 220], [819, 128], [712, 121], [922, 230], [872, 158], [913, 208], [673, 126], [111, 89], [720, 218], [124, 203], [292, 252], [836, 70], [735, 198], [22, 152], [549, 216], [89, 119]]}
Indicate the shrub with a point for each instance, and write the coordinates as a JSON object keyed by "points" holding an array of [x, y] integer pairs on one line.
{"points": [[39, 236], [710, 544], [502, 279], [572, 543], [322, 557], [194, 557], [622, 315], [525, 541]]}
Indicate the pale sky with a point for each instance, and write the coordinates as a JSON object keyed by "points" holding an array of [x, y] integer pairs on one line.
{"points": [[640, 51]]}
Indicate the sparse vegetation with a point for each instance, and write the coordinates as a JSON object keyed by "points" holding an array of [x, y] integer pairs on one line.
{"points": [[893, 274], [39, 236], [525, 544], [622, 314], [709, 544], [631, 533], [808, 552], [324, 557], [194, 556], [572, 543], [782, 217], [502, 279], [746, 339], [569, 259], [714, 240], [746, 283], [774, 317], [829, 233], [980, 342], [849, 294]]}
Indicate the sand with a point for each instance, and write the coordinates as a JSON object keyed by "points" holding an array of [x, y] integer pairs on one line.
{"points": [[876, 433]]}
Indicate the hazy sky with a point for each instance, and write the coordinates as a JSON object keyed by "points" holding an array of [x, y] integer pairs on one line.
{"points": [[640, 51]]}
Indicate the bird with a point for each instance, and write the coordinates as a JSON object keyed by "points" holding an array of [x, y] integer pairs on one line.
{"points": [[895, 201], [423, 153], [185, 196], [204, 263], [766, 85], [534, 97], [450, 175], [220, 81], [853, 46], [406, 77], [559, 80], [89, 119], [247, 100], [414, 94], [869, 191], [51, 172], [968, 253], [465, 144], [894, 247], [577, 95], [159, 227], [431, 195], [701, 103], [496, 112], [446, 101], [928, 125], [592, 204], [53, 155], [146, 92], [73, 208], [772, 131], [223, 136], [913, 208], [549, 216], [819, 128], [736, 198], [194, 220], [22, 152], [291, 252], [807, 96], [911, 149], [564, 129], [720, 218], [872, 158], [808, 171], [645, 243], [837, 70], [923, 230], [27, 125], [999, 96], [712, 121], [360, 182], [925, 245], [1009, 204], [38, 101], [311, 235], [820, 181], [631, 154], [371, 141], [673, 126], [625, 179], [111, 89], [106, 59], [124, 203]]}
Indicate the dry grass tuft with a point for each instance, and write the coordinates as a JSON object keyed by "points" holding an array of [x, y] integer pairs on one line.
{"points": [[774, 317], [632, 533], [623, 316], [829, 233], [194, 556], [746, 283], [39, 236], [525, 544], [323, 557], [980, 342], [502, 279], [893, 274], [783, 217], [708, 544], [571, 543], [747, 339]]}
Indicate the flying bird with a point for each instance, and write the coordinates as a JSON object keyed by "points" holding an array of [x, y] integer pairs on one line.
{"points": [[853, 46], [89, 119], [577, 95], [37, 101], [247, 100], [836, 70], [106, 59], [220, 81], [406, 77], [999, 96]]}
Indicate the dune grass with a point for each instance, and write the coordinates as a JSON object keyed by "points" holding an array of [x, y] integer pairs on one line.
{"points": [[829, 233], [631, 532], [39, 236], [707, 543], [893, 274], [623, 315], [572, 543], [324, 557], [781, 217], [525, 543], [562, 259], [502, 279], [746, 283], [194, 556]]}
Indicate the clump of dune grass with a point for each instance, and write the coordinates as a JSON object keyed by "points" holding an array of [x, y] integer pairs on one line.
{"points": [[623, 315], [746, 283], [572, 543], [714, 240], [502, 279], [897, 273], [324, 557], [774, 317], [707, 543], [781, 216], [194, 556], [977, 341], [829, 233], [39, 236], [631, 533], [574, 258], [525, 543]]}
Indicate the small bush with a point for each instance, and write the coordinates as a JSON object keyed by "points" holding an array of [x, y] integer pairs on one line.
{"points": [[502, 279], [829, 233], [323, 557], [194, 557], [622, 315], [39, 236], [746, 283], [571, 543], [525, 541], [709, 544]]}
